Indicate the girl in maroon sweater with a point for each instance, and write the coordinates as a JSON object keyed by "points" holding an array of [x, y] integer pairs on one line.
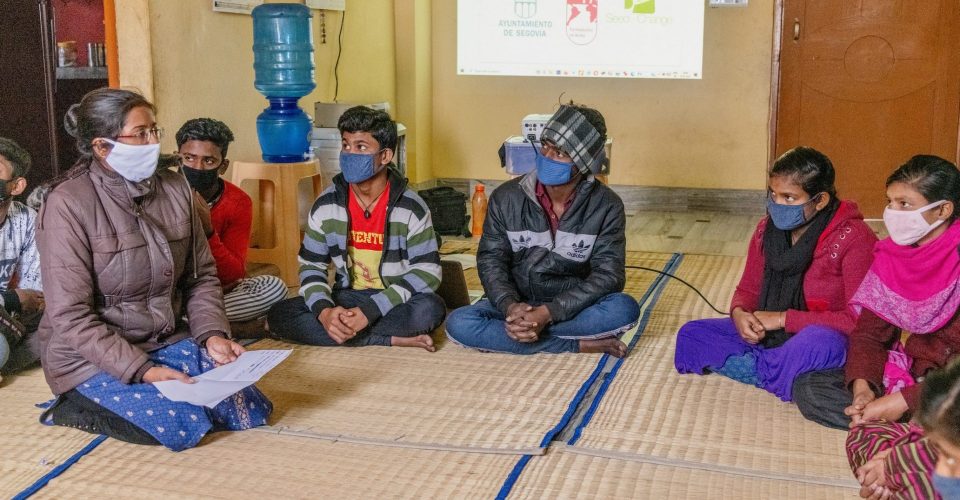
{"points": [[789, 313], [913, 288]]}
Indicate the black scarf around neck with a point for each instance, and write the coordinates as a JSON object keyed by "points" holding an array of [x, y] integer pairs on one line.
{"points": [[784, 267]]}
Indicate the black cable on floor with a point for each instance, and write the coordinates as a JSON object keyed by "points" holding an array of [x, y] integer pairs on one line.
{"points": [[681, 281]]}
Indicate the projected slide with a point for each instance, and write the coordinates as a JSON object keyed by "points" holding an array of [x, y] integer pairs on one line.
{"points": [[581, 38]]}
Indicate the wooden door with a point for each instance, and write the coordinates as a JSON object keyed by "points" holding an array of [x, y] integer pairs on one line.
{"points": [[870, 83]]}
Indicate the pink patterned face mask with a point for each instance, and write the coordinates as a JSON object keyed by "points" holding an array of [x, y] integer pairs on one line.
{"points": [[896, 372], [907, 227]]}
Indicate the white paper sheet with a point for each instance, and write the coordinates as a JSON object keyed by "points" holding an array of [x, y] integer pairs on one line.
{"points": [[216, 385]]}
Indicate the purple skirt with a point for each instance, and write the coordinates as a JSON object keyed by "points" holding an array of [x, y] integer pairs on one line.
{"points": [[706, 344]]}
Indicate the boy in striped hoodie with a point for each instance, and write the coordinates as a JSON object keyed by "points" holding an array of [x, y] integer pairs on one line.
{"points": [[379, 237]]}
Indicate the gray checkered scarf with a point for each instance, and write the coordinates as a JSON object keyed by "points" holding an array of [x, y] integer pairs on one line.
{"points": [[572, 133]]}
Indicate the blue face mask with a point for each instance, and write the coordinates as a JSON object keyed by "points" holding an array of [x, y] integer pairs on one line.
{"points": [[552, 172], [787, 217], [947, 487], [357, 167]]}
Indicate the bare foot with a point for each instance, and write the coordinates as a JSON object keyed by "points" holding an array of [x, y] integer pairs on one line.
{"points": [[423, 341], [610, 345]]}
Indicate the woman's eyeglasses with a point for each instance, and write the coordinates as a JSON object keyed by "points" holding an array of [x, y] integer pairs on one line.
{"points": [[144, 135]]}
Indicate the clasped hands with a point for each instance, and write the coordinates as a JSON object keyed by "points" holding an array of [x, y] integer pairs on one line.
{"points": [[867, 407], [753, 326], [343, 324], [525, 322]]}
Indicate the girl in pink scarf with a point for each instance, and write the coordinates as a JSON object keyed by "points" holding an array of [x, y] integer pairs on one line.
{"points": [[913, 287]]}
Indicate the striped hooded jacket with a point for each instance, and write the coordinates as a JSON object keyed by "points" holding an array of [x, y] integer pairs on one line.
{"points": [[410, 263]]}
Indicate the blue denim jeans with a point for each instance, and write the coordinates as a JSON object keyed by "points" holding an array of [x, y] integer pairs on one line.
{"points": [[482, 327], [4, 350], [26, 353], [291, 320]]}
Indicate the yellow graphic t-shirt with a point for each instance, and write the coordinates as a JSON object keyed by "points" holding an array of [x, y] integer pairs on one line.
{"points": [[365, 241]]}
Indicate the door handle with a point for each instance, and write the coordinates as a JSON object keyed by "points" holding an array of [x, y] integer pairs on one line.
{"points": [[796, 30]]}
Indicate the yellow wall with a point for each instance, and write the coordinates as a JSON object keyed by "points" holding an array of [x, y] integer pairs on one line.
{"points": [[134, 53], [709, 133], [202, 63], [414, 84]]}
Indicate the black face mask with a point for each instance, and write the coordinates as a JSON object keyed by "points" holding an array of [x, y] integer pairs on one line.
{"points": [[201, 180]]}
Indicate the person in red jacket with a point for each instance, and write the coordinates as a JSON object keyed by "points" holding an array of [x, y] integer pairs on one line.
{"points": [[909, 324], [789, 314], [226, 214]]}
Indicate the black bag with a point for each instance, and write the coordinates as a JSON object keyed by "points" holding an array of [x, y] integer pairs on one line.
{"points": [[448, 208]]}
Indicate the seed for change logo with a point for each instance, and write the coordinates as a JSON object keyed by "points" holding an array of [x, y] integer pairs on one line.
{"points": [[640, 6], [525, 9], [581, 21]]}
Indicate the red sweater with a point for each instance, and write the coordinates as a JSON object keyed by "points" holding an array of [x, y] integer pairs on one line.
{"points": [[231, 216], [843, 255], [873, 337]]}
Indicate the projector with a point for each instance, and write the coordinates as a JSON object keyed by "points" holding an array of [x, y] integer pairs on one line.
{"points": [[532, 126]]}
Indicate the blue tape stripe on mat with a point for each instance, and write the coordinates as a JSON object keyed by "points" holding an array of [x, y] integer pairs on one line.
{"points": [[60, 469], [571, 409], [659, 285], [575, 402], [514, 475]]}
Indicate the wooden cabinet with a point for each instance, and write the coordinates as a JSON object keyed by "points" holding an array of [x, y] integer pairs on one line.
{"points": [[71, 87], [28, 83]]}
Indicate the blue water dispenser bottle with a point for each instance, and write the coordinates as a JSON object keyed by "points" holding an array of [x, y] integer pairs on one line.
{"points": [[283, 64]]}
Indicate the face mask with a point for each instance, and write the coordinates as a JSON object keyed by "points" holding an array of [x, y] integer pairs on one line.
{"points": [[908, 227], [4, 193], [552, 172], [133, 163], [201, 180], [357, 167], [788, 217], [947, 487]]}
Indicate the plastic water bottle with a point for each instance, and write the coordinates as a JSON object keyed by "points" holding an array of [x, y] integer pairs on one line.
{"points": [[283, 65], [478, 204]]}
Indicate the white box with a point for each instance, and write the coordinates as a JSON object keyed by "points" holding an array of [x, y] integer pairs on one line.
{"points": [[327, 4]]}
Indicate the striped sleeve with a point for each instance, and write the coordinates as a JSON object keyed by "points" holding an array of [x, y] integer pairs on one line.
{"points": [[910, 461], [314, 256], [420, 271]]}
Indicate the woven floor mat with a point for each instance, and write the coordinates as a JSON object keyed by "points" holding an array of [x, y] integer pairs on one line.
{"points": [[638, 280], [29, 450], [257, 465], [651, 410], [562, 474], [715, 276], [453, 399]]}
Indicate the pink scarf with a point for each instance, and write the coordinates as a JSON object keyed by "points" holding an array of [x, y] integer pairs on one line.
{"points": [[914, 288]]}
